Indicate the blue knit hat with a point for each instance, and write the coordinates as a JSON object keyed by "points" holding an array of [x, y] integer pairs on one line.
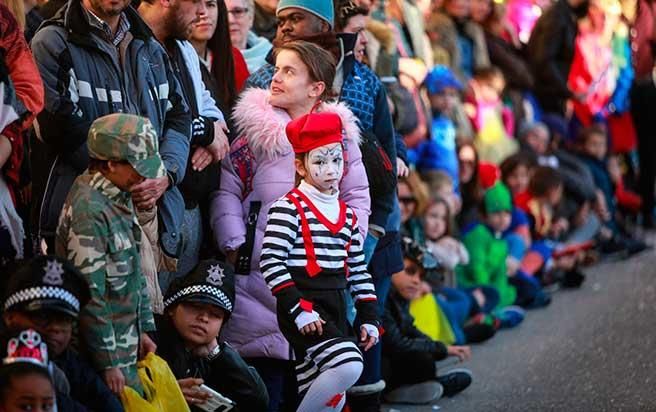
{"points": [[323, 9], [439, 78]]}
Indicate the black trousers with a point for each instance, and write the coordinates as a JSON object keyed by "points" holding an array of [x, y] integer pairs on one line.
{"points": [[407, 368], [643, 101]]}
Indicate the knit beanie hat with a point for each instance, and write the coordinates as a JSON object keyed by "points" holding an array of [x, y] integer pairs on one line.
{"points": [[323, 9], [497, 199]]}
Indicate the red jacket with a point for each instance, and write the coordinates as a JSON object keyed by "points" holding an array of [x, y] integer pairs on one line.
{"points": [[27, 84]]}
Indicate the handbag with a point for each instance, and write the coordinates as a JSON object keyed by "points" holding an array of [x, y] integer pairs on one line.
{"points": [[161, 390]]}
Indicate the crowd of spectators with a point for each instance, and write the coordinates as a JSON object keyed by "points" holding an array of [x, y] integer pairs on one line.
{"points": [[160, 192]]}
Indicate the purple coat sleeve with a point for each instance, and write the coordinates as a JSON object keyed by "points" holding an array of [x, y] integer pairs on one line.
{"points": [[226, 210]]}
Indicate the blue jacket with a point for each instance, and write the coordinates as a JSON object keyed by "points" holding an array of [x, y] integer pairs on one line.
{"points": [[85, 79], [365, 95]]}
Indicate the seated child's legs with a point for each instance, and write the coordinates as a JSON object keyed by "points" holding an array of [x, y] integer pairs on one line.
{"points": [[527, 288], [325, 385], [397, 373]]}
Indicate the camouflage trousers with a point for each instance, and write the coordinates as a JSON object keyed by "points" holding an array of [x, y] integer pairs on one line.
{"points": [[132, 379]]}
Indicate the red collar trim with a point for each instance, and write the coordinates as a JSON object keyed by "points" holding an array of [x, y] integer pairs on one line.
{"points": [[333, 227]]}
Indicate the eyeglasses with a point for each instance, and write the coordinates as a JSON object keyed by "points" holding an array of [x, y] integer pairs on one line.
{"points": [[238, 12], [407, 200]]}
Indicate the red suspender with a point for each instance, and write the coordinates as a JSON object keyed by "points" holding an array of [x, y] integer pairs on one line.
{"points": [[312, 267]]}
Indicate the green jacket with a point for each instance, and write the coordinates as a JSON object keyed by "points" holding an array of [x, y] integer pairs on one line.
{"points": [[487, 264], [99, 233]]}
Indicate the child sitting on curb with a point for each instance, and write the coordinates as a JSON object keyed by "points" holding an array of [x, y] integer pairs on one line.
{"points": [[404, 344]]}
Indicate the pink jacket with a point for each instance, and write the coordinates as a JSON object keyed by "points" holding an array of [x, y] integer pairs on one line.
{"points": [[260, 167]]}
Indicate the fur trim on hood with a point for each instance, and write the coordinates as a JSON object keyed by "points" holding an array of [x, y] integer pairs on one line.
{"points": [[264, 125], [383, 34]]}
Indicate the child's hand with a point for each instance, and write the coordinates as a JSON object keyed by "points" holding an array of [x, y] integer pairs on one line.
{"points": [[313, 327], [309, 323], [368, 336], [115, 380], [204, 350], [191, 391], [462, 352], [479, 296], [512, 265], [146, 346]]}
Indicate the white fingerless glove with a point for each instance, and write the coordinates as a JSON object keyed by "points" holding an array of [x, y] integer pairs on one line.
{"points": [[305, 318], [371, 331]]}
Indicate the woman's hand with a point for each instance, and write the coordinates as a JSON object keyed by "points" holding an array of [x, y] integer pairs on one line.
{"points": [[191, 391], [462, 352]]}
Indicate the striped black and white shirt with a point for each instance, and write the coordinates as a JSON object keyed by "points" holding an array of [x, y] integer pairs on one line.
{"points": [[337, 246]]}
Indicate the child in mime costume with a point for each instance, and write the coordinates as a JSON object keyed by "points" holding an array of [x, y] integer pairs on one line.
{"points": [[312, 253]]}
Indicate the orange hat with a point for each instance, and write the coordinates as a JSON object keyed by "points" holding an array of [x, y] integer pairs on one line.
{"points": [[314, 130]]}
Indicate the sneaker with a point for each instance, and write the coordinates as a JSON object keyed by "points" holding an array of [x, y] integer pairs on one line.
{"points": [[455, 381], [635, 246], [477, 333], [573, 279], [511, 316], [541, 300], [417, 394]]}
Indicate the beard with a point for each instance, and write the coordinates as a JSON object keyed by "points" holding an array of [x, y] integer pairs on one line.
{"points": [[178, 26]]}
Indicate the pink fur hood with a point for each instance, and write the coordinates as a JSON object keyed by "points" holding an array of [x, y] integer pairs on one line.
{"points": [[263, 125]]}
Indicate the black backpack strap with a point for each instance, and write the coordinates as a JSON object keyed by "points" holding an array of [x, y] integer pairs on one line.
{"points": [[243, 265]]}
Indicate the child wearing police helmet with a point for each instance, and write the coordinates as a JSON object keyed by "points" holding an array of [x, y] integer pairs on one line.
{"points": [[209, 372]]}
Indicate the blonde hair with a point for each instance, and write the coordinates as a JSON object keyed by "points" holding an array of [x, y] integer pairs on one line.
{"points": [[419, 191], [17, 8]]}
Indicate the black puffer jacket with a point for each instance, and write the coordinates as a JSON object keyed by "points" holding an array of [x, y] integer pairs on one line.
{"points": [[551, 51], [227, 374], [400, 333]]}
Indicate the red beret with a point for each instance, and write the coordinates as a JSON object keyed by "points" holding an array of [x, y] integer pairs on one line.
{"points": [[314, 130]]}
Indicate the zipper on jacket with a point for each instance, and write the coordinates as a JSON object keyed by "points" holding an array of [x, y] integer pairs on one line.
{"points": [[43, 199]]}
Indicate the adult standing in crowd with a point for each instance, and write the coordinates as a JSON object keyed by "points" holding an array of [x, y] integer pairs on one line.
{"points": [[458, 42], [359, 88], [241, 15], [641, 15], [172, 23], [21, 98], [224, 73], [266, 23], [504, 49], [551, 52], [259, 171], [97, 58]]}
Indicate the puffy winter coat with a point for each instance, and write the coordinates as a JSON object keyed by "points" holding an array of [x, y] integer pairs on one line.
{"points": [[260, 167], [363, 93]]}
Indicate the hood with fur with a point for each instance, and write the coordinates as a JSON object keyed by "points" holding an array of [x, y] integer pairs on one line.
{"points": [[263, 125]]}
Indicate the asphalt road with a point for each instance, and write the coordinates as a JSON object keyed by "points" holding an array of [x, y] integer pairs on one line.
{"points": [[592, 350]]}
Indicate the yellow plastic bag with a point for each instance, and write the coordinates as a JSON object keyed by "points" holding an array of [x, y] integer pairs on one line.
{"points": [[161, 390], [430, 319]]}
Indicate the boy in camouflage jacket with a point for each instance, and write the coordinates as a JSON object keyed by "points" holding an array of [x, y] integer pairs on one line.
{"points": [[99, 233]]}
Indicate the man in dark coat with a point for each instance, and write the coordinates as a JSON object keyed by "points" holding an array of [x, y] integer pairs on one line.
{"points": [[551, 51]]}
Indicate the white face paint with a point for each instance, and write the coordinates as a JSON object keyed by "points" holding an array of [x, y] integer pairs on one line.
{"points": [[324, 167]]}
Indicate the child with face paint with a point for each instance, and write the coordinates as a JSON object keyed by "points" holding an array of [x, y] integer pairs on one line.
{"points": [[311, 254]]}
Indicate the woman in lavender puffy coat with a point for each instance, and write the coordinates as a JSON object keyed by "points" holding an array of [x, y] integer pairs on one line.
{"points": [[260, 170]]}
